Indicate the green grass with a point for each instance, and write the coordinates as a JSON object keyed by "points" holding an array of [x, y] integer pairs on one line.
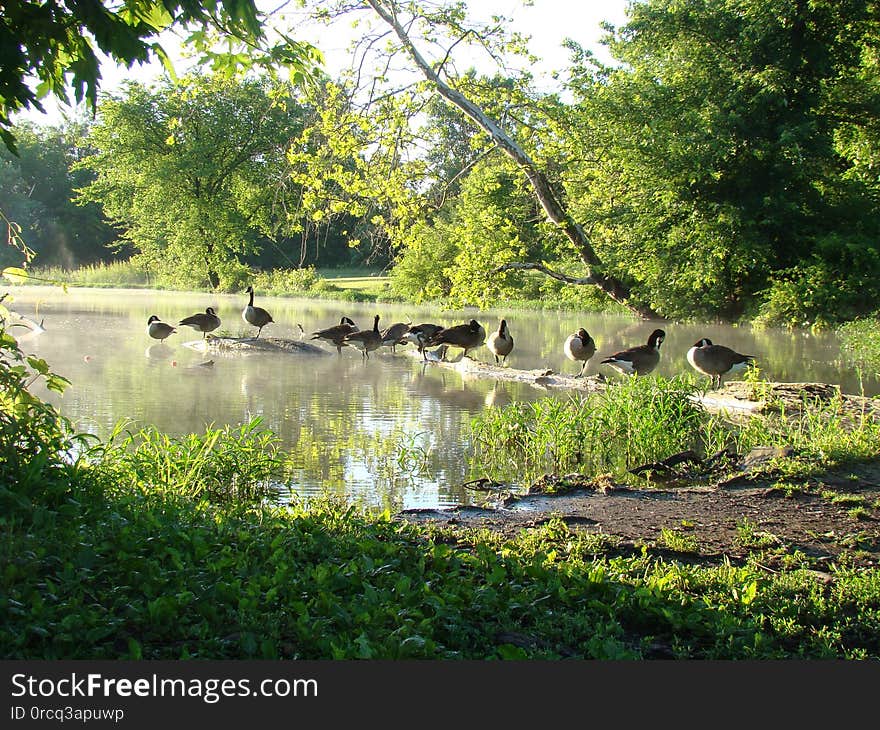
{"points": [[679, 541], [637, 421], [122, 274], [860, 343], [352, 284], [644, 420]]}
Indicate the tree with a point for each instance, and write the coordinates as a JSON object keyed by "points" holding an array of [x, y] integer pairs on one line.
{"points": [[716, 151], [37, 187], [189, 172], [55, 42], [407, 19]]}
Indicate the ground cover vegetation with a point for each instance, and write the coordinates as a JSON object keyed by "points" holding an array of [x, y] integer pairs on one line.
{"points": [[721, 167], [726, 167]]}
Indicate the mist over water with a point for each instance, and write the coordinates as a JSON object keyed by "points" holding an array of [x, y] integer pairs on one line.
{"points": [[389, 432]]}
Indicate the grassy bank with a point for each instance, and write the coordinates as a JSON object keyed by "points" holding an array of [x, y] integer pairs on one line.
{"points": [[151, 547], [644, 420]]}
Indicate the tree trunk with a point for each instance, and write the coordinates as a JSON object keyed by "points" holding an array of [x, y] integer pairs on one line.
{"points": [[543, 189]]}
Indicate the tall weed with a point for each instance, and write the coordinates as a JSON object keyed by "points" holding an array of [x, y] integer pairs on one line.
{"points": [[639, 420], [226, 464]]}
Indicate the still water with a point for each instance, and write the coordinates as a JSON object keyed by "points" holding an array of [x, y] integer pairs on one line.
{"points": [[389, 432]]}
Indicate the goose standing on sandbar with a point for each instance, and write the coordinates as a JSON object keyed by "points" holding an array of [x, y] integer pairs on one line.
{"points": [[335, 335], [500, 342], [466, 336], [716, 361], [204, 322], [159, 330], [366, 340], [256, 316], [579, 347], [639, 360], [395, 335]]}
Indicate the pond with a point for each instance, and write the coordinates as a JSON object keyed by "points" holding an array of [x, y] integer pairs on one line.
{"points": [[387, 432]]}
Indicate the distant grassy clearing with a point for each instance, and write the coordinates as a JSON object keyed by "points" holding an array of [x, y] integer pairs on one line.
{"points": [[373, 284]]}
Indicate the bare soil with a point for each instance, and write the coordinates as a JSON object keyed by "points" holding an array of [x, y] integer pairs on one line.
{"points": [[729, 511], [821, 521]]}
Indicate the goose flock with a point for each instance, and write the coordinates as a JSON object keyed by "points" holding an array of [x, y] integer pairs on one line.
{"points": [[433, 341]]}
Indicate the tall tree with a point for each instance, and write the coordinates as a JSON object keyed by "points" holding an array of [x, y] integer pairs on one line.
{"points": [[189, 171], [716, 148], [408, 21]]}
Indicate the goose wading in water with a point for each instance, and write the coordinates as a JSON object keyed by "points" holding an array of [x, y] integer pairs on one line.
{"points": [[366, 340], [716, 361], [639, 360], [159, 330], [335, 335], [500, 342], [204, 322], [466, 336], [256, 316], [579, 347]]}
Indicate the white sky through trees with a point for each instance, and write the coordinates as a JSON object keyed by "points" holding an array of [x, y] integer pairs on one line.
{"points": [[548, 22]]}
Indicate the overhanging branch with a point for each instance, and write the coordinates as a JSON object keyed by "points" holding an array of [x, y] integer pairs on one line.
{"points": [[524, 266]]}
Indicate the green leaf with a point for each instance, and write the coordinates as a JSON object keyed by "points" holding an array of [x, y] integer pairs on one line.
{"points": [[15, 275]]}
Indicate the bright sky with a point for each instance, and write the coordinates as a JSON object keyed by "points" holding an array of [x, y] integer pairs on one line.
{"points": [[548, 22]]}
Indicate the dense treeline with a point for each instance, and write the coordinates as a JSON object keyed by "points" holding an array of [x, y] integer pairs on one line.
{"points": [[725, 165], [37, 190]]}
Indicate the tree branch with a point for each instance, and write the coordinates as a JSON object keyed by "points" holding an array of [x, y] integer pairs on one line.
{"points": [[544, 190], [526, 266]]}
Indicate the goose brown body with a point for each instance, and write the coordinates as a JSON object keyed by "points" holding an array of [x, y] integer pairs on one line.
{"points": [[159, 330], [395, 335], [335, 335], [466, 336], [366, 340], [639, 360], [716, 361], [256, 316], [204, 322], [500, 342], [419, 334]]}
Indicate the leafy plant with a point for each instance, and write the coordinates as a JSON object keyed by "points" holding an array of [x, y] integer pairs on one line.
{"points": [[679, 541], [223, 464]]}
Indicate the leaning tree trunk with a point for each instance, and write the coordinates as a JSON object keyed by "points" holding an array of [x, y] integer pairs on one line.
{"points": [[542, 187]]}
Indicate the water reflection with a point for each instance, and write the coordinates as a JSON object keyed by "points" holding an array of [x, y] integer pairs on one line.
{"points": [[389, 431]]}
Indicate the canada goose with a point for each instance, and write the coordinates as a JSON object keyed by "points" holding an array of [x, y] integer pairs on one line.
{"points": [[500, 343], [419, 335], [159, 330], [716, 361], [639, 360], [579, 346], [365, 340], [466, 336], [394, 335], [335, 335], [204, 322], [257, 316]]}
